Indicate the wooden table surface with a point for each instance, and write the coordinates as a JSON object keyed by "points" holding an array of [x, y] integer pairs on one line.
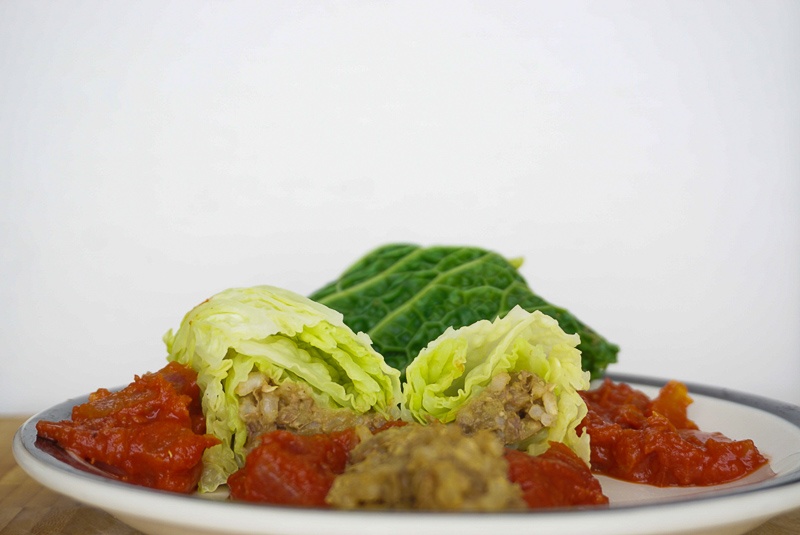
{"points": [[26, 507]]}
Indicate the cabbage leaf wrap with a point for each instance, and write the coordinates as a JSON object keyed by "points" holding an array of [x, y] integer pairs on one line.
{"points": [[456, 367], [405, 295], [287, 337]]}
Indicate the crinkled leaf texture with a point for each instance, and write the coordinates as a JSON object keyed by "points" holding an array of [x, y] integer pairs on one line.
{"points": [[460, 363], [404, 296], [289, 338]]}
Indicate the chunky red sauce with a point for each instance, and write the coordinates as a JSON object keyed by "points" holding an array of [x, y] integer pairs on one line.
{"points": [[150, 433], [555, 478], [290, 469], [649, 441]]}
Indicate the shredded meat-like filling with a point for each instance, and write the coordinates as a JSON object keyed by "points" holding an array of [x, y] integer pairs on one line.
{"points": [[513, 406], [265, 406], [433, 467]]}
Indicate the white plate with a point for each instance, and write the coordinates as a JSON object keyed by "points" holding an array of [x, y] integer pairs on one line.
{"points": [[635, 509]]}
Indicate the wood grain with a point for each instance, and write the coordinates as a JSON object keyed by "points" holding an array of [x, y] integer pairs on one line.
{"points": [[27, 508]]}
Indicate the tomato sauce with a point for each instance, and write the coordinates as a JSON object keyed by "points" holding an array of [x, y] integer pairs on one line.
{"points": [[556, 478], [290, 469], [150, 433], [637, 439]]}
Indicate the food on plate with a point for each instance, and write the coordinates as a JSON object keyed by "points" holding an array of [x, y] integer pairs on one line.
{"points": [[267, 358], [649, 441], [409, 466], [403, 296], [284, 399], [517, 376], [150, 433]]}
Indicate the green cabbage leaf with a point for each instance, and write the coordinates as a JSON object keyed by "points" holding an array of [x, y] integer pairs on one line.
{"points": [[461, 363], [286, 336], [403, 296]]}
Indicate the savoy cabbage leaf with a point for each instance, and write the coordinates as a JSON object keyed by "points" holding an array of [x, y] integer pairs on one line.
{"points": [[404, 296]]}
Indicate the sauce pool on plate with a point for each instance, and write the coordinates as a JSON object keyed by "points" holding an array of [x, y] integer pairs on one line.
{"points": [[637, 439]]}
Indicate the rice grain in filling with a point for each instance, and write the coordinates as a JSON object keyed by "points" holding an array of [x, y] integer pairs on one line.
{"points": [[265, 406], [513, 406]]}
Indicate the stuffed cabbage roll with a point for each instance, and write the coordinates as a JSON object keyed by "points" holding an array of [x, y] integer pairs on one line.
{"points": [[269, 359], [517, 376]]}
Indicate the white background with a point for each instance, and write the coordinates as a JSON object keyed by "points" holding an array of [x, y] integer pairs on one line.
{"points": [[644, 158]]}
